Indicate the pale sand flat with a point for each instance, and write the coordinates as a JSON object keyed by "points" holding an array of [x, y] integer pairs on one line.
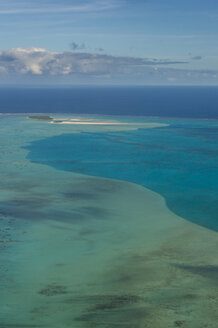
{"points": [[89, 123], [107, 123], [146, 125]]}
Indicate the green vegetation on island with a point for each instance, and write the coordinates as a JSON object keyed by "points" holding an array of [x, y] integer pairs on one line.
{"points": [[41, 117]]}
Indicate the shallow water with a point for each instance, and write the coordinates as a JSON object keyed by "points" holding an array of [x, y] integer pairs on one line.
{"points": [[84, 251]]}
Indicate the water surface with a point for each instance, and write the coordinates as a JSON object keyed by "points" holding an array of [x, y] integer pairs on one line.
{"points": [[80, 250], [169, 101], [178, 161]]}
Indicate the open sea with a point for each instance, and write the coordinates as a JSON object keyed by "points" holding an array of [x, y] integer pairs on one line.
{"points": [[111, 225], [180, 102]]}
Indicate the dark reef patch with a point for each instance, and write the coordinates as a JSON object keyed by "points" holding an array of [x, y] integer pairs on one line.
{"points": [[18, 186], [74, 195], [179, 323], [99, 186], [5, 325], [114, 318], [108, 302], [96, 212], [26, 209], [115, 300], [206, 271], [39, 209], [53, 290]]}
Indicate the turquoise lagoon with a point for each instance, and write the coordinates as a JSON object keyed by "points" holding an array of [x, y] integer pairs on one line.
{"points": [[108, 226], [179, 161]]}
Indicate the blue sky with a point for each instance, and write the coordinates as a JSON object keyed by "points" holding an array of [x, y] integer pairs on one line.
{"points": [[109, 41]]}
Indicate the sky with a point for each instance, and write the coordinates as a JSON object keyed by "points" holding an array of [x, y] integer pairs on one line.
{"points": [[114, 42]]}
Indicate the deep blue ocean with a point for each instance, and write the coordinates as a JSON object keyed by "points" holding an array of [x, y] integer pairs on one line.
{"points": [[183, 102]]}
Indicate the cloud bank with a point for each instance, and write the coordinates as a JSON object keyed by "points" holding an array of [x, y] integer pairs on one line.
{"points": [[39, 61], [38, 65]]}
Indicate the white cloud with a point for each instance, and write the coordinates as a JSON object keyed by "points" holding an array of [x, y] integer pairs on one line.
{"points": [[23, 61]]}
